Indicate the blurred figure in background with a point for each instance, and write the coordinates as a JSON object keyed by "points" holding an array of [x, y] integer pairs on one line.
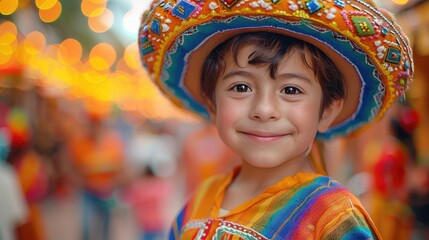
{"points": [[152, 145], [33, 177], [98, 157], [50, 134], [389, 194], [149, 196], [13, 208], [394, 179], [153, 156], [404, 128], [31, 168]]}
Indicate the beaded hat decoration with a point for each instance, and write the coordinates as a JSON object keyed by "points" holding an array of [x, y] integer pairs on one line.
{"points": [[365, 43]]}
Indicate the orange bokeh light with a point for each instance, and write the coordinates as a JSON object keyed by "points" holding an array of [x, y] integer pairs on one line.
{"points": [[8, 32], [90, 8], [51, 14], [131, 56], [400, 2], [98, 1], [8, 7], [64, 68], [7, 51], [69, 52], [102, 56], [45, 4], [34, 43], [8, 26], [101, 22]]}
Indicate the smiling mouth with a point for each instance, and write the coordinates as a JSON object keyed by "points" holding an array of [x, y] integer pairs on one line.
{"points": [[263, 137]]}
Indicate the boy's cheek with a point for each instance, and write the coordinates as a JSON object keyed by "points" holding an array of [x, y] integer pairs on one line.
{"points": [[226, 116], [226, 110]]}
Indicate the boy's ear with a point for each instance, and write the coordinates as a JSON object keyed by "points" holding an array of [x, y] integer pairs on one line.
{"points": [[329, 114]]}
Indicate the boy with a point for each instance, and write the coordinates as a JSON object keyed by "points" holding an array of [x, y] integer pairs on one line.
{"points": [[272, 75]]}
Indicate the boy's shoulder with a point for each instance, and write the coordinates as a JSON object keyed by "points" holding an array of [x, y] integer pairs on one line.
{"points": [[325, 194], [324, 186]]}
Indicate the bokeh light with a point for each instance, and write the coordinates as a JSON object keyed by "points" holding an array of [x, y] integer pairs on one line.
{"points": [[51, 14], [90, 8], [400, 2], [8, 33], [7, 7], [65, 63], [8, 43], [45, 4], [102, 56], [101, 21], [131, 56], [34, 43], [8, 27], [99, 1], [70, 52]]}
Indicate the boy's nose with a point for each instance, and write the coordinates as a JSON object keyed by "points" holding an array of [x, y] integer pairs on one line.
{"points": [[265, 107]]}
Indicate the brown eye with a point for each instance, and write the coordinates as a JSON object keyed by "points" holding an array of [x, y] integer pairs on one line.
{"points": [[241, 88], [291, 90]]}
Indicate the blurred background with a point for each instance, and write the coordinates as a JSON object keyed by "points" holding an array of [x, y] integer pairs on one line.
{"points": [[89, 149]]}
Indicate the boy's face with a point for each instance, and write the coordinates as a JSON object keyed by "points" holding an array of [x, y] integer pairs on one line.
{"points": [[268, 122]]}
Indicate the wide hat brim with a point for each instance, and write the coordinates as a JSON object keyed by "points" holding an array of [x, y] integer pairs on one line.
{"points": [[367, 46]]}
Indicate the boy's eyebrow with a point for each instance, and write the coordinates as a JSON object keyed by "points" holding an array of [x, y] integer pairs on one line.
{"points": [[294, 75], [235, 73]]}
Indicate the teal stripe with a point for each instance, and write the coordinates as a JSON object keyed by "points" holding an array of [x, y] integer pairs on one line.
{"points": [[358, 232]]}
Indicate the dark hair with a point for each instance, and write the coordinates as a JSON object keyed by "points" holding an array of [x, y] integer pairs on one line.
{"points": [[270, 49]]}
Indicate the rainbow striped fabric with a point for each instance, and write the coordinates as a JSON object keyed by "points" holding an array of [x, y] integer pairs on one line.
{"points": [[304, 206]]}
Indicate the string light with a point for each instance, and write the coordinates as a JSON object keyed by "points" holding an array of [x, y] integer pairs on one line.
{"points": [[64, 68]]}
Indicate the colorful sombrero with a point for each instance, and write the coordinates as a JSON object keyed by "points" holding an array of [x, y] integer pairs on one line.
{"points": [[365, 43]]}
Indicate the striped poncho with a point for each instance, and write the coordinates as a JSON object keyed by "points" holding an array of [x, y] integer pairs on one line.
{"points": [[304, 206]]}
